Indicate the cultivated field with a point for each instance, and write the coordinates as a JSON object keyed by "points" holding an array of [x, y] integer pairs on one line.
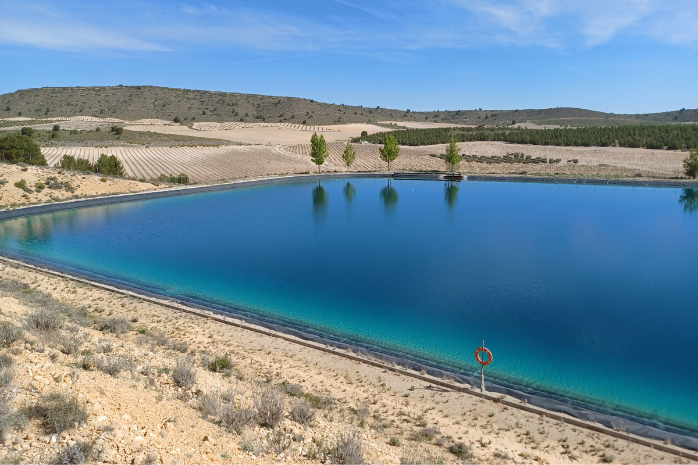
{"points": [[610, 161], [202, 164]]}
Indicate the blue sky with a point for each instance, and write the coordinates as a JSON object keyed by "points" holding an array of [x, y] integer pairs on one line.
{"points": [[623, 56]]}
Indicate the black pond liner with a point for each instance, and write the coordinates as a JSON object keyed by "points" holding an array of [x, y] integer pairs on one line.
{"points": [[640, 427]]}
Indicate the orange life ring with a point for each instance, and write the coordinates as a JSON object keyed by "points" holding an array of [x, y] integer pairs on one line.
{"points": [[481, 361]]}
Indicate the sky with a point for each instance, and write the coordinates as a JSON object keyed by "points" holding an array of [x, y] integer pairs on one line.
{"points": [[622, 56]]}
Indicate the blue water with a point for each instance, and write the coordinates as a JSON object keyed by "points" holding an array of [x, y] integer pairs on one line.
{"points": [[583, 292]]}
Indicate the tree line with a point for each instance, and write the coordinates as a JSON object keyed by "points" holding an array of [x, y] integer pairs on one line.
{"points": [[651, 136]]}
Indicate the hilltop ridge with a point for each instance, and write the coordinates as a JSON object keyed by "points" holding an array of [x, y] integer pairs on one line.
{"points": [[138, 102]]}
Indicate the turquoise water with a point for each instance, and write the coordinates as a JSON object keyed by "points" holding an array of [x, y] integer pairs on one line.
{"points": [[584, 292]]}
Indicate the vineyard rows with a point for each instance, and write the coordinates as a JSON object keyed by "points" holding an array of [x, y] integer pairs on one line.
{"points": [[202, 164], [95, 119], [211, 126]]}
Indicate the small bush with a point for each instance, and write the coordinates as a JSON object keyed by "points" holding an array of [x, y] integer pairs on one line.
{"points": [[7, 373], [277, 441], [78, 453], [303, 412], [347, 450], [460, 450], [607, 458], [219, 364], [9, 334], [115, 365], [269, 405], [180, 346], [70, 345], [114, 325], [184, 374], [236, 418], [394, 441], [294, 390], [21, 184], [57, 412], [321, 402], [44, 319], [425, 434], [39, 185], [8, 418]]}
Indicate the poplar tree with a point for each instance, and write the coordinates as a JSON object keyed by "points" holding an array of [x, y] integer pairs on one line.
{"points": [[349, 155], [390, 149], [318, 150], [453, 155]]}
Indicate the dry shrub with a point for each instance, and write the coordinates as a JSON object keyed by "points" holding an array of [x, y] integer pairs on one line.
{"points": [[57, 412], [236, 418], [114, 325], [461, 451], [115, 365], [7, 372], [295, 390], [9, 334], [180, 346], [184, 374], [425, 434], [44, 320], [220, 364], [269, 405], [348, 450], [303, 412], [78, 453], [278, 441]]}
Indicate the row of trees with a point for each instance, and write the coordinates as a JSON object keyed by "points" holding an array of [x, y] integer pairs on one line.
{"points": [[106, 165], [388, 153], [658, 136]]}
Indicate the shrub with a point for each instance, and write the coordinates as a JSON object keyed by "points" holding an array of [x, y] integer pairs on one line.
{"points": [[460, 450], [56, 128], [70, 345], [7, 373], [269, 405], [690, 164], [425, 434], [184, 375], [8, 418], [21, 148], [118, 130], [303, 412], [27, 132], [114, 325], [294, 390], [394, 441], [21, 184], [278, 441], [236, 418], [115, 365], [109, 165], [39, 185], [180, 346], [78, 453], [57, 412], [347, 450], [177, 119], [219, 364], [607, 458], [44, 319], [9, 334]]}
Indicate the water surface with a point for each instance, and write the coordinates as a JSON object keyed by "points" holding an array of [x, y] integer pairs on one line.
{"points": [[583, 292]]}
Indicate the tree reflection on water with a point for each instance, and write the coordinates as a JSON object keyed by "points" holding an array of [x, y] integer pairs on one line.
{"points": [[689, 200]]}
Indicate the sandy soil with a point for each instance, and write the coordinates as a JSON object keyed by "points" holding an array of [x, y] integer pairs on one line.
{"points": [[140, 415], [81, 185]]}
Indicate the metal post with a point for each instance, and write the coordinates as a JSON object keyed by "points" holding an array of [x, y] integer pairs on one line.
{"points": [[482, 372]]}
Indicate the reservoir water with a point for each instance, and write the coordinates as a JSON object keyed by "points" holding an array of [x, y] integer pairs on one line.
{"points": [[582, 292]]}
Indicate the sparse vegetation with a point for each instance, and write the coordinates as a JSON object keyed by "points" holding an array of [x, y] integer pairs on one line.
{"points": [[57, 412], [269, 405], [184, 375], [348, 450], [78, 453]]}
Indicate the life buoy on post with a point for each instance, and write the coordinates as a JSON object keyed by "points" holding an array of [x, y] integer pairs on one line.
{"points": [[482, 362]]}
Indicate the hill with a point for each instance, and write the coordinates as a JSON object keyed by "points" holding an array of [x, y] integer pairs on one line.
{"points": [[138, 102]]}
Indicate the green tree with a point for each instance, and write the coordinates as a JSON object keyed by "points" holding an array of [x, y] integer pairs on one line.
{"points": [[318, 150], [390, 150], [452, 158], [27, 132], [56, 127], [83, 164], [109, 165], [690, 164], [177, 119], [118, 130], [68, 162], [18, 148], [349, 155]]}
